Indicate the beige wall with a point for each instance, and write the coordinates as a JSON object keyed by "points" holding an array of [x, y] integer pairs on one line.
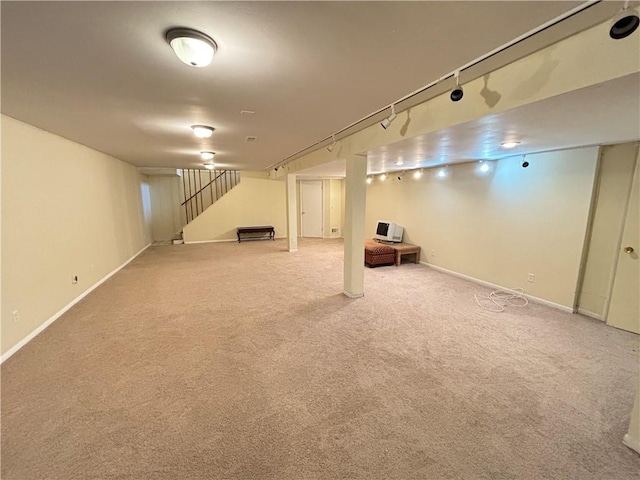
{"points": [[335, 208], [165, 206], [498, 226], [256, 200], [65, 208], [616, 173]]}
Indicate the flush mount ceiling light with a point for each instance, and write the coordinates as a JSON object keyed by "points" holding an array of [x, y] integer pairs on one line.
{"points": [[333, 144], [387, 121], [399, 162], [202, 131], [624, 23], [207, 155], [209, 166], [457, 93], [192, 47], [510, 144]]}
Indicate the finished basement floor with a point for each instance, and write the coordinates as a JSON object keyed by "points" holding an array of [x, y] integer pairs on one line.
{"points": [[244, 361]]}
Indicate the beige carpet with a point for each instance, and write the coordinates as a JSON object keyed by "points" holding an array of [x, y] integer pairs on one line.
{"points": [[243, 361]]}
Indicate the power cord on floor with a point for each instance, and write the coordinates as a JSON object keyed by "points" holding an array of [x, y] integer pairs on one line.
{"points": [[499, 299]]}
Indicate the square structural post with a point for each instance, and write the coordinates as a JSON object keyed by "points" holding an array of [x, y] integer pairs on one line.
{"points": [[292, 213], [355, 205]]}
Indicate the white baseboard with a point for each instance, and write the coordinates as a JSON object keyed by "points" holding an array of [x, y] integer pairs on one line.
{"points": [[64, 309], [531, 298], [589, 314], [218, 241], [632, 444], [351, 295]]}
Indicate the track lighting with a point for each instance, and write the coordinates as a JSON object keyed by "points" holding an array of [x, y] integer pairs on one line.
{"points": [[525, 164], [209, 166], [484, 167], [417, 174], [624, 23], [400, 175], [207, 155], [202, 131], [387, 121], [383, 177], [442, 172], [457, 93], [333, 144], [192, 47], [369, 180]]}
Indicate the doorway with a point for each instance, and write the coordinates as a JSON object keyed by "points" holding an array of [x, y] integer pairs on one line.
{"points": [[311, 214]]}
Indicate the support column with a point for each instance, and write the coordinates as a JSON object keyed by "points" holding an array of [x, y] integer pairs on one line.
{"points": [[292, 213], [355, 204]]}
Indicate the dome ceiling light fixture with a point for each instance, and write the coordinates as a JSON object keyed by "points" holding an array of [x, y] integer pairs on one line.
{"points": [[202, 131], [209, 166], [207, 155], [192, 47]]}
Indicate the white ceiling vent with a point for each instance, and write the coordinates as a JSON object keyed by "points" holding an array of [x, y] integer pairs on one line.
{"points": [[251, 139]]}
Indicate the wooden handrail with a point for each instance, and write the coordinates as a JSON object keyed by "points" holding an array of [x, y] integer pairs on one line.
{"points": [[217, 177]]}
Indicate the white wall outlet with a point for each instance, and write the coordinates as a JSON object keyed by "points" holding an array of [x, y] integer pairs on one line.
{"points": [[16, 316], [74, 279], [91, 268], [531, 277], [433, 253]]}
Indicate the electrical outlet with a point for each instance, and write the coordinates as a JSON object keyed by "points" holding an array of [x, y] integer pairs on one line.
{"points": [[433, 253], [74, 279], [91, 267], [531, 278], [16, 316], [334, 230]]}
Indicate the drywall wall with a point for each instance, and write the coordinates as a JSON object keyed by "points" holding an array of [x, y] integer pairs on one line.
{"points": [[66, 210], [617, 164], [335, 208], [165, 206], [501, 225], [256, 200]]}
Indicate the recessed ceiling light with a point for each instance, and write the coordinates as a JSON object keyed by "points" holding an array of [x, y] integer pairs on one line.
{"points": [[510, 144], [207, 155], [202, 131], [209, 166], [192, 47]]}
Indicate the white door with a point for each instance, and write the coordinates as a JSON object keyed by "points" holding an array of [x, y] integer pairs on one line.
{"points": [[624, 311], [311, 208]]}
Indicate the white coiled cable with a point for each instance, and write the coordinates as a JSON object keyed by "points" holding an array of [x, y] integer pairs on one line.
{"points": [[498, 300]]}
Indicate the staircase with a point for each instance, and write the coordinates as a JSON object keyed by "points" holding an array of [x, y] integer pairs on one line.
{"points": [[202, 188]]}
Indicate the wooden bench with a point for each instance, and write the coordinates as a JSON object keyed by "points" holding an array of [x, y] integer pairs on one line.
{"points": [[262, 232], [406, 249]]}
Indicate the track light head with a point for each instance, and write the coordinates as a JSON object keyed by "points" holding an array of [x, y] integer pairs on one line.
{"points": [[333, 144], [624, 23], [525, 164], [387, 121], [457, 93]]}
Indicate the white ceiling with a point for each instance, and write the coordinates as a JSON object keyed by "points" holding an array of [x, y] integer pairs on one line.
{"points": [[101, 74], [607, 113]]}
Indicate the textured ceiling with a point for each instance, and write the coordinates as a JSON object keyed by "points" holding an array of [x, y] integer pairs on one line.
{"points": [[101, 74]]}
